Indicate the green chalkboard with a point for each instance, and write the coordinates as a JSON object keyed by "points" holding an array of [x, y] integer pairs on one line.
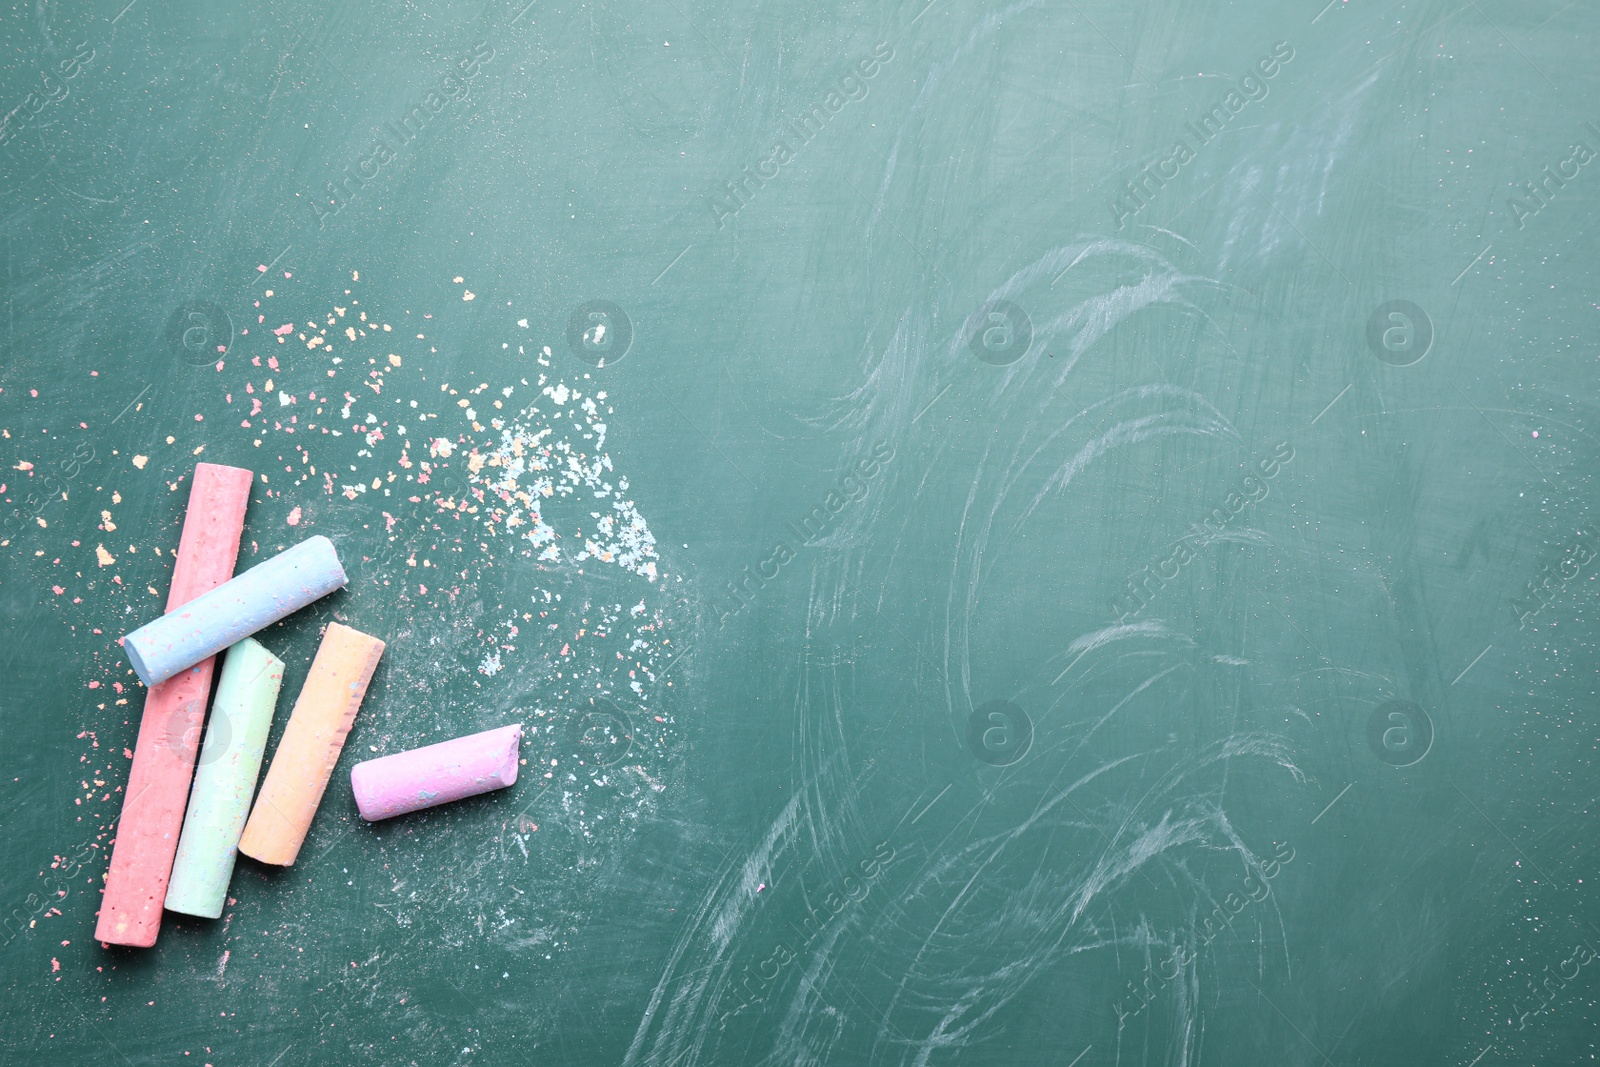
{"points": [[1023, 533]]}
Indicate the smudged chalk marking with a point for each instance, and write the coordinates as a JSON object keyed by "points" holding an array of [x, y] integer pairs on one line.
{"points": [[1142, 586], [811, 927], [1228, 909]]}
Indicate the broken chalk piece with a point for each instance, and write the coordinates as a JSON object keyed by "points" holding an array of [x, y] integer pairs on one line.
{"points": [[169, 732], [436, 774], [236, 737], [310, 746], [235, 609]]}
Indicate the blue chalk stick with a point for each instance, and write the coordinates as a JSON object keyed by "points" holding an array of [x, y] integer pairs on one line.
{"points": [[234, 610]]}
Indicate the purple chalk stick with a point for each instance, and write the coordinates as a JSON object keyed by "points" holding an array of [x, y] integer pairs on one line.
{"points": [[436, 774]]}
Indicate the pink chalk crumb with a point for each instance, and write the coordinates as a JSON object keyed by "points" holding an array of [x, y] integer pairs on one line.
{"points": [[262, 269], [287, 327], [55, 965], [294, 517]]}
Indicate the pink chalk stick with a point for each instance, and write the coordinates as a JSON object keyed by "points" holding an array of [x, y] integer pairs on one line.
{"points": [[436, 774], [169, 732]]}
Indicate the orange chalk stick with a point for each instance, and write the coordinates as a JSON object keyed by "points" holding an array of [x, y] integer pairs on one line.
{"points": [[311, 745], [169, 732]]}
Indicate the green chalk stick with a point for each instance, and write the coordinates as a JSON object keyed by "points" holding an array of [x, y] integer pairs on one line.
{"points": [[230, 762]]}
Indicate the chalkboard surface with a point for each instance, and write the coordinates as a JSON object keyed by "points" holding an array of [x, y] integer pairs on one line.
{"points": [[1021, 533]]}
